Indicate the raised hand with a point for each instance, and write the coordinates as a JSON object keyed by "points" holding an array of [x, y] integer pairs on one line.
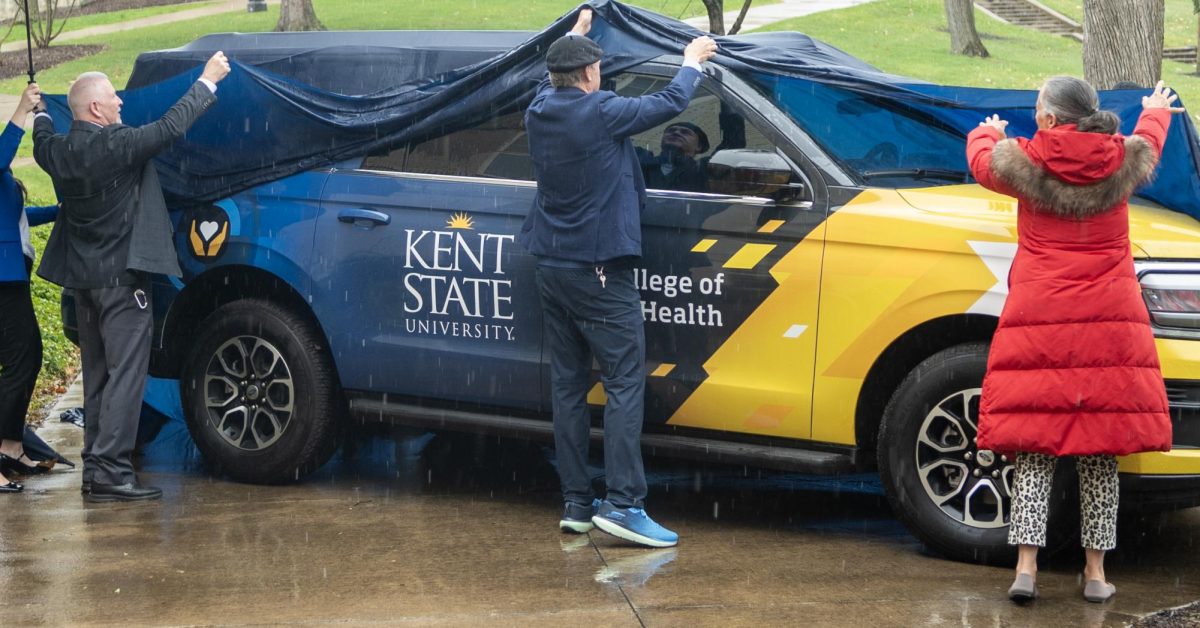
{"points": [[584, 23], [30, 99], [217, 68], [700, 50], [1162, 98], [995, 122]]}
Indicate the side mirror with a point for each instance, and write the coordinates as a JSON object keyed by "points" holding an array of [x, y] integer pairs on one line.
{"points": [[749, 172]]}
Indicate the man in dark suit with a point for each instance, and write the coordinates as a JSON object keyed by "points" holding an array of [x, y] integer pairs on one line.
{"points": [[585, 229], [113, 232]]}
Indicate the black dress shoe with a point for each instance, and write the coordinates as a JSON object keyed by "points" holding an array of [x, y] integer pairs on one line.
{"points": [[14, 465], [11, 487], [130, 492]]}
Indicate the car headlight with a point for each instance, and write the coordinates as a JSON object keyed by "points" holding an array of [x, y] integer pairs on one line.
{"points": [[1172, 295]]}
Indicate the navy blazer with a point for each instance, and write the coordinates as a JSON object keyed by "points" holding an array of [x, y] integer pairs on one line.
{"points": [[13, 264], [590, 188]]}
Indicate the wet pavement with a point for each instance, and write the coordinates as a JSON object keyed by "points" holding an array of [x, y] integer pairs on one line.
{"points": [[408, 528]]}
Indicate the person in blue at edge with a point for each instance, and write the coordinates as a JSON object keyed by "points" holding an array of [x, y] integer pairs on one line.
{"points": [[585, 229], [20, 338]]}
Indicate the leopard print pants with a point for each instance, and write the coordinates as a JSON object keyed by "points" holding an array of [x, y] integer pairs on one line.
{"points": [[1097, 500]]}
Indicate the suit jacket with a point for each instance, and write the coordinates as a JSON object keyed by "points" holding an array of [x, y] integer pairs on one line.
{"points": [[590, 186], [13, 254], [114, 220]]}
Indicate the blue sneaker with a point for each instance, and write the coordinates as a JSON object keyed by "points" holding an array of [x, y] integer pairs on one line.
{"points": [[633, 524], [577, 518]]}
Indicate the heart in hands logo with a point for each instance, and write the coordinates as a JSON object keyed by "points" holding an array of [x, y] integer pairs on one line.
{"points": [[207, 231]]}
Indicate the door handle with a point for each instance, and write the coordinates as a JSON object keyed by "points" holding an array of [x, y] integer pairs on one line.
{"points": [[364, 217]]}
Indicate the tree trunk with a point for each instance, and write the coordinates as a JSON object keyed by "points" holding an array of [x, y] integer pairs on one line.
{"points": [[298, 15], [1122, 41], [716, 16], [737, 24], [964, 39]]}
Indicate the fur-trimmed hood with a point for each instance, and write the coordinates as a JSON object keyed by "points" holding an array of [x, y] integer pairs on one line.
{"points": [[1074, 174]]}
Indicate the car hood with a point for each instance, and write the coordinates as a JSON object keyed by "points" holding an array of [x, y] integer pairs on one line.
{"points": [[1156, 232]]}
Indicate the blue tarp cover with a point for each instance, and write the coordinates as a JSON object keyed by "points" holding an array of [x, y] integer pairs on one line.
{"points": [[289, 108]]}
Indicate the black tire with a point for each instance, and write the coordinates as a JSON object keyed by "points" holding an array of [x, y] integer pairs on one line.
{"points": [[939, 403], [281, 418]]}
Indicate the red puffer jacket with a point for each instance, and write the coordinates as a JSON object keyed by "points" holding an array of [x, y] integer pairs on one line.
{"points": [[1072, 369]]}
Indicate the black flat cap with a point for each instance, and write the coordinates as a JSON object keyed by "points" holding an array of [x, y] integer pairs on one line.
{"points": [[700, 134], [570, 52]]}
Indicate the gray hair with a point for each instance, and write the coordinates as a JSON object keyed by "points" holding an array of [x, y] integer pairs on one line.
{"points": [[570, 78], [86, 89], [1075, 101]]}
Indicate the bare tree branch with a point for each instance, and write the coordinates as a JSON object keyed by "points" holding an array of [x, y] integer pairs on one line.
{"points": [[737, 24]]}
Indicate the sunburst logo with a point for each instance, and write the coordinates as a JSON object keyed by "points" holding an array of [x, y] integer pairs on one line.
{"points": [[460, 221]]}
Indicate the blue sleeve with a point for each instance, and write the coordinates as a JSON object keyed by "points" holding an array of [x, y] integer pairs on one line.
{"points": [[630, 116], [544, 89], [10, 139], [41, 215]]}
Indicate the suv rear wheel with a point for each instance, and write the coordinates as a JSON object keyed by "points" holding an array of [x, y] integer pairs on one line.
{"points": [[260, 393]]}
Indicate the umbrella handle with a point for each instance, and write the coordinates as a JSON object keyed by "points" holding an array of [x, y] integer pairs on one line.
{"points": [[29, 41]]}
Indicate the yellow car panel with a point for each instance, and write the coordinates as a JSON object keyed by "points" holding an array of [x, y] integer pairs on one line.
{"points": [[759, 380], [890, 267]]}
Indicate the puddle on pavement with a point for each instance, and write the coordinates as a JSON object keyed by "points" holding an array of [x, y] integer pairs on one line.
{"points": [[449, 462]]}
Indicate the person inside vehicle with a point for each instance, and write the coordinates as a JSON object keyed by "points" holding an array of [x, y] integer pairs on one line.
{"points": [[680, 164], [677, 166]]}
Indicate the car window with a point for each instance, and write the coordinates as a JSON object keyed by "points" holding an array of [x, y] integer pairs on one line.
{"points": [[880, 139], [686, 153], [495, 148]]}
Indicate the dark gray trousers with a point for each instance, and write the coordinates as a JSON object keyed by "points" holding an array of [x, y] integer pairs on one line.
{"points": [[584, 319], [114, 339]]}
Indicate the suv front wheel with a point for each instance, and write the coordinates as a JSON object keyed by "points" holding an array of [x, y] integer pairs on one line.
{"points": [[954, 497], [260, 393]]}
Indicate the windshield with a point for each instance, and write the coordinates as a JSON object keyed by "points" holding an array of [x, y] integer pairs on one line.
{"points": [[880, 140]]}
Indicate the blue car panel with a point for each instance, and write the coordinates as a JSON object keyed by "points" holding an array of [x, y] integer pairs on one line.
{"points": [[423, 290]]}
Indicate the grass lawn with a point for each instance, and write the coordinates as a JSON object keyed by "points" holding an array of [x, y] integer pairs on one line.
{"points": [[123, 48], [908, 37], [109, 17], [1179, 24]]}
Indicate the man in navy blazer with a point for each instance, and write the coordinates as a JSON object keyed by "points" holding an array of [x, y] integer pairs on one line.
{"points": [[585, 229]]}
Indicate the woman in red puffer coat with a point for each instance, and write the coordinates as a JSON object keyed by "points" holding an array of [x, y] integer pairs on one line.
{"points": [[1072, 369]]}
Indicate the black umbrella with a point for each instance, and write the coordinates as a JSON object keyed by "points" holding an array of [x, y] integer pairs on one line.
{"points": [[37, 449], [28, 41]]}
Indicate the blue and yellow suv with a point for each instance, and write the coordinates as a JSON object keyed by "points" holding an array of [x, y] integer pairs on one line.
{"points": [[821, 302]]}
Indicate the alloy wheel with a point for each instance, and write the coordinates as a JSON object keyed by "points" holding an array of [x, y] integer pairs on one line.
{"points": [[249, 393], [969, 485]]}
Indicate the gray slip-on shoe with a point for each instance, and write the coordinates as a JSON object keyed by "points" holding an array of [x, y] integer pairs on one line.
{"points": [[1098, 591], [1023, 588]]}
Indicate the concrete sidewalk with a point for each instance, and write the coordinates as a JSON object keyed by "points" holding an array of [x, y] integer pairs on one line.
{"points": [[760, 16], [454, 530]]}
